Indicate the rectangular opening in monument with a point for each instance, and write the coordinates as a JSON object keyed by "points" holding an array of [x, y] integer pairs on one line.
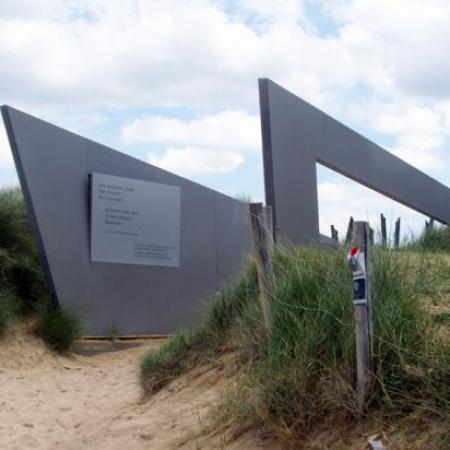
{"points": [[340, 198]]}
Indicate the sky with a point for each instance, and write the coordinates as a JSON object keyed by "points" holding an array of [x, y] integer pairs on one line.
{"points": [[174, 83]]}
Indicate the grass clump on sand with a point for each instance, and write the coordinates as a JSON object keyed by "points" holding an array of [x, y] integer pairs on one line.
{"points": [[23, 291], [192, 347], [58, 327], [301, 378]]}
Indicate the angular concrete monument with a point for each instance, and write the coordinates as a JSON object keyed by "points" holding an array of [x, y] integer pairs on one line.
{"points": [[296, 136], [131, 247]]}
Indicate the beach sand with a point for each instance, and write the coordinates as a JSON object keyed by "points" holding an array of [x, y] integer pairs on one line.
{"points": [[93, 400]]}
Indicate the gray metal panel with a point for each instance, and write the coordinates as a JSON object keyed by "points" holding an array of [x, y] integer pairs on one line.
{"points": [[296, 135], [54, 167], [231, 225]]}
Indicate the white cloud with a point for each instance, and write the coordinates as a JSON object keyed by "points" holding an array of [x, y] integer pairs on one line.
{"points": [[208, 54], [408, 39], [401, 49], [191, 160], [226, 129], [419, 132], [174, 52], [34, 9], [205, 55], [214, 143]]}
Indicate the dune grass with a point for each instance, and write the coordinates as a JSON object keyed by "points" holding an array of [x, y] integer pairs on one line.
{"points": [[435, 239], [209, 339], [302, 377], [7, 312], [59, 327], [23, 291]]}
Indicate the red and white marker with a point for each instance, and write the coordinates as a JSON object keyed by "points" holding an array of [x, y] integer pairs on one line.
{"points": [[357, 263]]}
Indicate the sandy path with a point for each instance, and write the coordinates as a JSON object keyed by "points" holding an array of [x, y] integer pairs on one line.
{"points": [[94, 402]]}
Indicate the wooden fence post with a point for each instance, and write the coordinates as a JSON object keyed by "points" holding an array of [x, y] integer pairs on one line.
{"points": [[397, 233], [371, 236], [360, 264], [261, 224], [383, 231], [334, 234], [349, 235]]}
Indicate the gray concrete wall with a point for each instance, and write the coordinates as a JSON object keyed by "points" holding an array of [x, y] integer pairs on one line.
{"points": [[296, 135], [53, 166]]}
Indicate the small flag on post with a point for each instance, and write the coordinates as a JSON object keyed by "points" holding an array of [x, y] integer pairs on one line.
{"points": [[357, 262]]}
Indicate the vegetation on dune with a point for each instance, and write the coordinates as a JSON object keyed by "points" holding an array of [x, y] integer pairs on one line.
{"points": [[6, 312], [58, 327], [189, 348], [432, 239], [301, 378], [23, 292]]}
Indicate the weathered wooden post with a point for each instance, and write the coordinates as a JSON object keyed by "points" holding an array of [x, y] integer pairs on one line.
{"points": [[383, 231], [371, 236], [261, 224], [349, 235], [360, 264], [397, 233], [334, 234]]}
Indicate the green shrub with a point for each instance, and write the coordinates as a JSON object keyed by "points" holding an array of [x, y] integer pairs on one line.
{"points": [[20, 270], [58, 326], [23, 291], [160, 367], [15, 233], [7, 313]]}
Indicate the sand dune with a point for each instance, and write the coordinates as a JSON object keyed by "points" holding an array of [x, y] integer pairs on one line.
{"points": [[93, 400]]}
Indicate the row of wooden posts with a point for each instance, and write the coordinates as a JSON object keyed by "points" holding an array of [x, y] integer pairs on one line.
{"points": [[261, 224], [349, 235]]}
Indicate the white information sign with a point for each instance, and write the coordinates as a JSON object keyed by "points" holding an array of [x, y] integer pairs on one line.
{"points": [[134, 221]]}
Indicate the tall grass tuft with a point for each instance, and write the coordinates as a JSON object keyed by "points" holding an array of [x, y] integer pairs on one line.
{"points": [[211, 338], [23, 291], [302, 377], [432, 239], [15, 235], [59, 327]]}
